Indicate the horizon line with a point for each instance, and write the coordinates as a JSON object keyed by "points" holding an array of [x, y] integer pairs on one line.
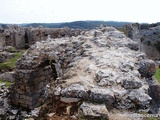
{"points": [[77, 21]]}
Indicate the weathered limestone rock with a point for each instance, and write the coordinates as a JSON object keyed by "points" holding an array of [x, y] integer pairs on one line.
{"points": [[69, 100], [121, 99], [4, 106], [133, 31], [4, 56], [147, 37], [106, 77], [133, 45], [75, 91], [102, 95], [15, 36], [107, 81], [103, 74], [94, 111], [154, 90], [8, 76], [139, 97], [131, 84], [147, 68]]}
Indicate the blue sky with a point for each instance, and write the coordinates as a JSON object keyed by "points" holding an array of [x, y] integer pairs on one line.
{"points": [[54, 11]]}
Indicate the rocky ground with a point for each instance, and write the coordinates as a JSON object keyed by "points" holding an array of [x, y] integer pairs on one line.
{"points": [[100, 75], [9, 112]]}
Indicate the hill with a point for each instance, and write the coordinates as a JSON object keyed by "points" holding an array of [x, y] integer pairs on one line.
{"points": [[75, 24]]}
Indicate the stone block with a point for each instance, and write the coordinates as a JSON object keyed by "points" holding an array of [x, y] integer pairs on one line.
{"points": [[40, 85], [100, 95], [17, 96], [28, 98], [94, 111], [139, 97], [22, 97], [21, 101], [147, 68], [75, 91], [131, 84], [28, 103]]}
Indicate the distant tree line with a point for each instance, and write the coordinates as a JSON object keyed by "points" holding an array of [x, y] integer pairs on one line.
{"points": [[84, 24], [147, 26], [75, 25]]}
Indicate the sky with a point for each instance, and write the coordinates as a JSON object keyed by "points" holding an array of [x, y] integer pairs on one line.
{"points": [[55, 11]]}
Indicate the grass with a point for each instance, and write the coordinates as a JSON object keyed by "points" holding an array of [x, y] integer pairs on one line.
{"points": [[11, 63], [157, 75], [7, 83]]}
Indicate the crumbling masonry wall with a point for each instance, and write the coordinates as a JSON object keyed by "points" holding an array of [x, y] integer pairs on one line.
{"points": [[21, 37], [101, 66], [31, 86], [41, 64]]}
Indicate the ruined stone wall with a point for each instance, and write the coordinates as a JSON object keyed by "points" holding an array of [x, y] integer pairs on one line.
{"points": [[14, 36], [102, 67], [39, 34], [21, 37], [31, 86], [44, 63]]}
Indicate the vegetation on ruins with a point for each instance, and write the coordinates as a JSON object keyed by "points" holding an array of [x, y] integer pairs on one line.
{"points": [[10, 64]]}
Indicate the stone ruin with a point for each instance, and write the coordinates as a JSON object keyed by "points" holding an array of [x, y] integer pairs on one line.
{"points": [[23, 37], [41, 64], [100, 66]]}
